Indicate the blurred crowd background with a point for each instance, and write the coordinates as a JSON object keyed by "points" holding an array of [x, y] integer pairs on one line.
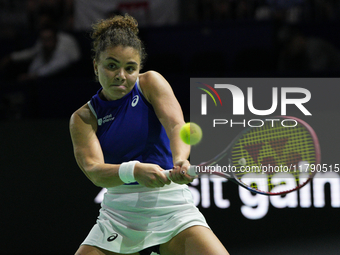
{"points": [[45, 54]]}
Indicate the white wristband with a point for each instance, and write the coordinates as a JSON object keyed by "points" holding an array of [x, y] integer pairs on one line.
{"points": [[126, 170]]}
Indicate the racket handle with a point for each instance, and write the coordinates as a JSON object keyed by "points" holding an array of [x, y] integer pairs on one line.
{"points": [[191, 171]]}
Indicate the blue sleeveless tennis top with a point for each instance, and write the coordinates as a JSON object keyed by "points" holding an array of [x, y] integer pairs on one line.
{"points": [[128, 129]]}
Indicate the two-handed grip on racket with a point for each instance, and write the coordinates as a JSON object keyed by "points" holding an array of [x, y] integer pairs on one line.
{"points": [[191, 171]]}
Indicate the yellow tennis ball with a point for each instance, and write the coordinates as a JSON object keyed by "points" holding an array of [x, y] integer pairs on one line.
{"points": [[191, 133]]}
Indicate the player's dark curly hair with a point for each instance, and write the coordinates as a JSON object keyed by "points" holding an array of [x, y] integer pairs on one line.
{"points": [[115, 31]]}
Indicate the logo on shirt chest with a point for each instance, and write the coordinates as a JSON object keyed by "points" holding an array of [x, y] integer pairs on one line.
{"points": [[107, 118], [135, 100]]}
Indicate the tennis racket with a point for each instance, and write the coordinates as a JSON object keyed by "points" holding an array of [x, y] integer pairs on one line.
{"points": [[273, 159]]}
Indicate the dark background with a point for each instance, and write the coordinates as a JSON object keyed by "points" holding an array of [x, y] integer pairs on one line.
{"points": [[48, 203]]}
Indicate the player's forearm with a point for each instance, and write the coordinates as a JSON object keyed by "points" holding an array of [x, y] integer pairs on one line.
{"points": [[103, 175]]}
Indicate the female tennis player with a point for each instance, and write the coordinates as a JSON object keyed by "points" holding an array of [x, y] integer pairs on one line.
{"points": [[124, 139]]}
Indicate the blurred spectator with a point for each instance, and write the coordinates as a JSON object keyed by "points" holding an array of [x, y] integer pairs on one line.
{"points": [[262, 10], [302, 53], [53, 52], [61, 11], [230, 9], [282, 10], [291, 11]]}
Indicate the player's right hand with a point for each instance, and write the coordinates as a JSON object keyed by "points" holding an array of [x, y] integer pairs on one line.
{"points": [[150, 175]]}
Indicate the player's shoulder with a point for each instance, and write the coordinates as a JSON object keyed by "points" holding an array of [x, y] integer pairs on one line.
{"points": [[152, 82], [83, 116], [149, 78]]}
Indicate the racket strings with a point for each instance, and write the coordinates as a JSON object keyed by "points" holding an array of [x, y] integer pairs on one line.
{"points": [[272, 154]]}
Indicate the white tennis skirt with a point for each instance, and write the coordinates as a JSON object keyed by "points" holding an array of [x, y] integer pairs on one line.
{"points": [[134, 217]]}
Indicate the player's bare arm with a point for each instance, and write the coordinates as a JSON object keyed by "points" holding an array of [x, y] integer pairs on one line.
{"points": [[159, 93], [89, 155], [88, 152]]}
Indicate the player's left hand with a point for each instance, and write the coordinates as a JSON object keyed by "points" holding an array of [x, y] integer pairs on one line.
{"points": [[179, 172]]}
